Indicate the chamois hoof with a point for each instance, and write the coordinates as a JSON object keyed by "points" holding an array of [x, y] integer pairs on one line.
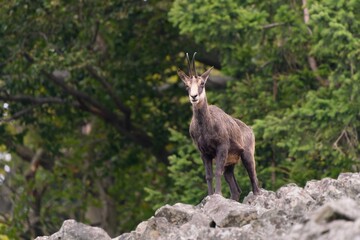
{"points": [[218, 194], [235, 197]]}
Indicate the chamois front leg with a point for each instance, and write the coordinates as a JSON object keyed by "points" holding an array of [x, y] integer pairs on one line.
{"points": [[208, 173], [221, 156]]}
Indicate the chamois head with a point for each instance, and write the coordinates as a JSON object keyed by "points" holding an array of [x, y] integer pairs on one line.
{"points": [[195, 84]]}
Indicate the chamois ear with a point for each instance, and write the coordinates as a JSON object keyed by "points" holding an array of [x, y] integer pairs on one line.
{"points": [[206, 74], [183, 76]]}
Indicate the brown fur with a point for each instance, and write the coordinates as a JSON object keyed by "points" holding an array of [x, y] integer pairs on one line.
{"points": [[219, 137]]}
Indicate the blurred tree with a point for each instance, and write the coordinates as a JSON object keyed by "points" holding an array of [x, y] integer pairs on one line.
{"points": [[322, 129], [91, 93]]}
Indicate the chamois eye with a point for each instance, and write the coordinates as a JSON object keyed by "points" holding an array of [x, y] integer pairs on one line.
{"points": [[187, 88], [202, 83]]}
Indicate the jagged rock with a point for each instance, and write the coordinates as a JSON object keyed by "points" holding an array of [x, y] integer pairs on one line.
{"points": [[72, 230], [229, 213], [290, 197], [221, 234], [159, 228], [344, 209], [272, 223], [134, 234], [335, 220], [324, 209], [324, 190], [180, 214]]}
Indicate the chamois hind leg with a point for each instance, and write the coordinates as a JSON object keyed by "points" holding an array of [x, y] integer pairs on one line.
{"points": [[231, 181], [248, 160]]}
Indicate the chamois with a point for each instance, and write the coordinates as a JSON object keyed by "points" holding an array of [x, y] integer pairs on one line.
{"points": [[218, 136]]}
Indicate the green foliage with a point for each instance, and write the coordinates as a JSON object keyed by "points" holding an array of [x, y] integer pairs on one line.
{"points": [[191, 187], [186, 173], [93, 86], [220, 25], [304, 117], [321, 133], [321, 130], [83, 82], [246, 35]]}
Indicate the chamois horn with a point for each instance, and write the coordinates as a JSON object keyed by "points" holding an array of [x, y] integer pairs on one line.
{"points": [[189, 64], [193, 64]]}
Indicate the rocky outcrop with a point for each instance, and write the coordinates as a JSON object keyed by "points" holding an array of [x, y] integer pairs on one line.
{"points": [[323, 209], [72, 230]]}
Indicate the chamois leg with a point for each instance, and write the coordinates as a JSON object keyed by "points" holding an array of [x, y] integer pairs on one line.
{"points": [[208, 174], [221, 156], [231, 181], [248, 160]]}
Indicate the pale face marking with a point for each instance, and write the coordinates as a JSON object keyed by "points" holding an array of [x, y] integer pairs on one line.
{"points": [[195, 85], [196, 89]]}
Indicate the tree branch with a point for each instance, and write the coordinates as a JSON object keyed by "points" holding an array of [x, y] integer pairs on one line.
{"points": [[30, 99], [271, 25], [27, 155], [34, 164], [110, 91], [87, 103], [18, 114], [36, 101], [59, 81], [136, 134], [121, 123], [335, 144]]}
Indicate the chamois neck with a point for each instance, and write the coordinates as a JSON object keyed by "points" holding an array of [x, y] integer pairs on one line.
{"points": [[201, 111]]}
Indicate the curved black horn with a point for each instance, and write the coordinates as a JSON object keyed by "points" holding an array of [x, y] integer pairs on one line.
{"points": [[189, 64], [193, 64]]}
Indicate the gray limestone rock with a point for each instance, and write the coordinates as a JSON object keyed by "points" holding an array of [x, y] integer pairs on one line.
{"points": [[338, 219], [229, 213], [324, 209], [72, 230]]}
